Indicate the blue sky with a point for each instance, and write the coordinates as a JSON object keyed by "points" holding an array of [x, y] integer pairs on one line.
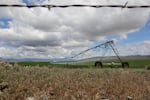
{"points": [[40, 33], [25, 1], [141, 35], [5, 22], [28, 2]]}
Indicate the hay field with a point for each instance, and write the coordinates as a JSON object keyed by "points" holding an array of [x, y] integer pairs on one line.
{"points": [[44, 83]]}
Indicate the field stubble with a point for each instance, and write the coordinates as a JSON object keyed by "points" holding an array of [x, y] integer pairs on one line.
{"points": [[43, 83]]}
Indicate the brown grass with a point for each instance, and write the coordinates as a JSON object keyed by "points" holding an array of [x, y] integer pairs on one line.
{"points": [[43, 83]]}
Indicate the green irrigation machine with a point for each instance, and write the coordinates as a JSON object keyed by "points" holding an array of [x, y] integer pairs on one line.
{"points": [[101, 63]]}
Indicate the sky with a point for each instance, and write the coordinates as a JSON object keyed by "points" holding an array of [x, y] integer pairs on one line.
{"points": [[59, 33]]}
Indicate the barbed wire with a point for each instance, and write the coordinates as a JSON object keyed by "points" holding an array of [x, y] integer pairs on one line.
{"points": [[49, 6]]}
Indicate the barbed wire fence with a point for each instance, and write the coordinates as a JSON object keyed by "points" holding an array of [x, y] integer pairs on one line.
{"points": [[49, 6]]}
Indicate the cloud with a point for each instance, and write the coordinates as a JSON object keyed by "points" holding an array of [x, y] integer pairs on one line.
{"points": [[123, 37], [64, 31], [10, 1], [140, 48], [147, 42]]}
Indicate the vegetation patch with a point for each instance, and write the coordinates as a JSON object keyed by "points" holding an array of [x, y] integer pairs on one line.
{"points": [[49, 83]]}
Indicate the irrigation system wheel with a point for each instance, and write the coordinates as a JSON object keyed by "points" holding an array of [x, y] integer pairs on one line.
{"points": [[125, 65], [98, 64]]}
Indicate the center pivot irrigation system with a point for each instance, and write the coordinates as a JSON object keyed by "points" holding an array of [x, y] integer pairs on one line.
{"points": [[106, 45]]}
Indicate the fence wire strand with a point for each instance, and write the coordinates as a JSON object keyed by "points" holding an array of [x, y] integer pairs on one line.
{"points": [[76, 5]]}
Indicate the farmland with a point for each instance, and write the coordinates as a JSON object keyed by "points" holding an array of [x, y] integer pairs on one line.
{"points": [[134, 63], [47, 81]]}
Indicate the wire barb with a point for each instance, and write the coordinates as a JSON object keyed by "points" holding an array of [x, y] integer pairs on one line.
{"points": [[49, 7], [125, 4]]}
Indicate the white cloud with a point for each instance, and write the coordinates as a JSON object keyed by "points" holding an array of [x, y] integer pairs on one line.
{"points": [[123, 37], [60, 31], [140, 48], [10, 1], [147, 42]]}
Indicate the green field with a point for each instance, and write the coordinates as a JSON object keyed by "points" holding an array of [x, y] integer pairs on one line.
{"points": [[134, 63]]}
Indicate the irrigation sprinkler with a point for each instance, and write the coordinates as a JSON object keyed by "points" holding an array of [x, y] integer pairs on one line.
{"points": [[106, 45]]}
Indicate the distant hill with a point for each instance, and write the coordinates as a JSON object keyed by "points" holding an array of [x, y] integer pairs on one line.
{"points": [[65, 60], [25, 60]]}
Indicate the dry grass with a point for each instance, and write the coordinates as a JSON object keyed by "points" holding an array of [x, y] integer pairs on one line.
{"points": [[28, 83]]}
